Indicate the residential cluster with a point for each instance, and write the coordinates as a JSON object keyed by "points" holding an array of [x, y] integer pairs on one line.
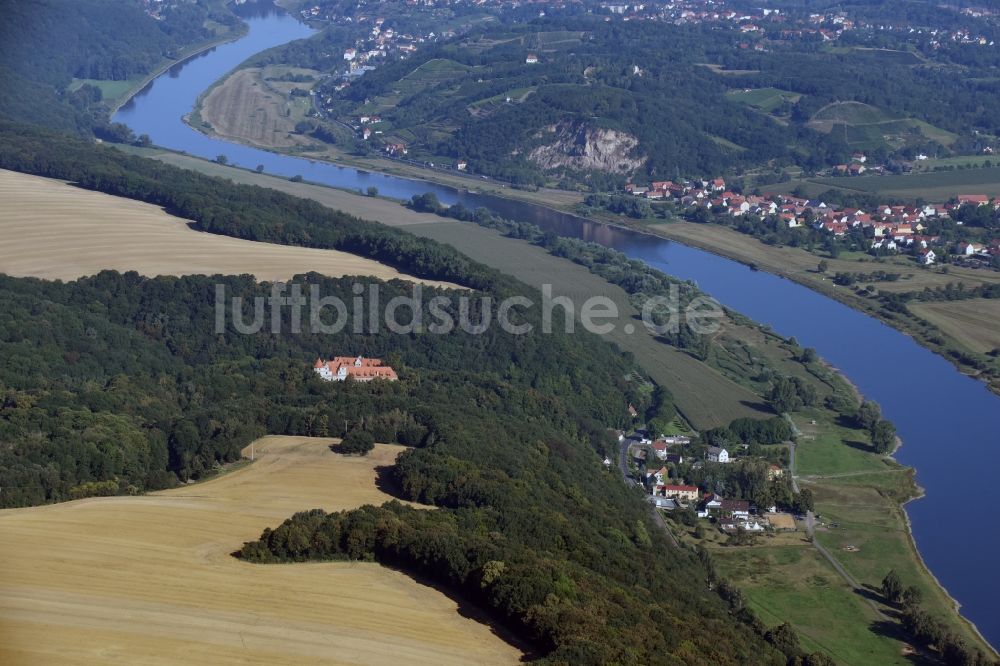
{"points": [[888, 229], [730, 515], [763, 24]]}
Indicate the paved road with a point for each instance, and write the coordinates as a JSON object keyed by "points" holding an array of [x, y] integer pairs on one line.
{"points": [[623, 467]]}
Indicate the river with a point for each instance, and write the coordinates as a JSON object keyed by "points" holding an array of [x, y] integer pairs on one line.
{"points": [[948, 422]]}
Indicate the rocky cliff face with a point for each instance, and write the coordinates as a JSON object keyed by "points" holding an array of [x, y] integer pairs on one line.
{"points": [[578, 146]]}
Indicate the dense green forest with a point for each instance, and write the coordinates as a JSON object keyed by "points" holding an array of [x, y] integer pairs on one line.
{"points": [[121, 384], [44, 45]]}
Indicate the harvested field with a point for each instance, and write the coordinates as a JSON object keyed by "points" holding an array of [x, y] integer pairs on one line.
{"points": [[53, 230], [245, 108], [128, 580], [974, 322]]}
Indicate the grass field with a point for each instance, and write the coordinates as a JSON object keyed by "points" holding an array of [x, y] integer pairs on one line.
{"points": [[861, 493], [110, 90], [847, 113], [792, 582], [936, 186], [867, 127], [719, 69], [245, 107], [129, 580], [430, 74], [765, 99], [56, 231], [862, 526], [884, 56], [959, 161], [974, 322]]}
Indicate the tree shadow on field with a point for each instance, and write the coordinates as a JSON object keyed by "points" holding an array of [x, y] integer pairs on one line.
{"points": [[386, 482], [892, 630], [872, 593], [757, 406], [860, 446], [471, 611]]}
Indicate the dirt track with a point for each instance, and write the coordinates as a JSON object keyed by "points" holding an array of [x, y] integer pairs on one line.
{"points": [[56, 231], [129, 580]]}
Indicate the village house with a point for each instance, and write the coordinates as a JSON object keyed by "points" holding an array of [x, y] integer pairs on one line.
{"points": [[973, 199], [683, 493], [532, 59], [660, 449], [737, 509], [710, 505], [926, 257], [657, 477], [969, 249], [358, 368], [717, 454]]}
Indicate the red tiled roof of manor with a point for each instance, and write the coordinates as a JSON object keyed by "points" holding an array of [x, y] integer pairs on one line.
{"points": [[338, 361], [357, 367]]}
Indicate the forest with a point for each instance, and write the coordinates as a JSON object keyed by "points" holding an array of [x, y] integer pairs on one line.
{"points": [[119, 384], [45, 45]]}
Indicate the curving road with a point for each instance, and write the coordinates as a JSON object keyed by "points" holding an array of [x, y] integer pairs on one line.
{"points": [[657, 517]]}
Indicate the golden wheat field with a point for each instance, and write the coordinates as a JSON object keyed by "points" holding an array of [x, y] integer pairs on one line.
{"points": [[150, 579], [53, 230]]}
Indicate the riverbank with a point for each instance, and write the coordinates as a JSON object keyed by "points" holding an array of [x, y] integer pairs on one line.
{"points": [[904, 377], [868, 490], [559, 200], [188, 54], [800, 267], [713, 238]]}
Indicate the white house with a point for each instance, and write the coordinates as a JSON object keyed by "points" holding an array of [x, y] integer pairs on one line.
{"points": [[969, 249], [926, 257], [657, 476], [717, 454], [711, 504]]}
